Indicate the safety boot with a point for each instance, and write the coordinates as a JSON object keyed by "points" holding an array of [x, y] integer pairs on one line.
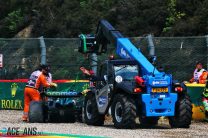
{"points": [[25, 118]]}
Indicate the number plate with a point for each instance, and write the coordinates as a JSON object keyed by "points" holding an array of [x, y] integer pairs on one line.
{"points": [[159, 89]]}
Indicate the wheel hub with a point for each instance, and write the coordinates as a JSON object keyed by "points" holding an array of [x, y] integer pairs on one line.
{"points": [[89, 109], [118, 112]]}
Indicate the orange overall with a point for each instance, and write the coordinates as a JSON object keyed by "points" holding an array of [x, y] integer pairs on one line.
{"points": [[203, 77], [32, 93]]}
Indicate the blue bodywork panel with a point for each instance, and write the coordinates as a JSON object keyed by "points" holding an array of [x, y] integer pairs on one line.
{"points": [[125, 49], [164, 106], [154, 103], [159, 103]]}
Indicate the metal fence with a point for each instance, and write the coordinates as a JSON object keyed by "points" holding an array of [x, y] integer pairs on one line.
{"points": [[178, 56]]}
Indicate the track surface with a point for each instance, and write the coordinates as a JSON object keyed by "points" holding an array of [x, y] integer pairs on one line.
{"points": [[13, 119]]}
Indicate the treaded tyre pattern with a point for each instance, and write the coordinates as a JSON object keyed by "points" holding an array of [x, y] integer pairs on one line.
{"points": [[36, 112], [123, 112], [91, 114], [183, 113]]}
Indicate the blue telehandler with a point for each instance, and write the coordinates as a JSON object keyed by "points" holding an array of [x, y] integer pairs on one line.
{"points": [[131, 86]]}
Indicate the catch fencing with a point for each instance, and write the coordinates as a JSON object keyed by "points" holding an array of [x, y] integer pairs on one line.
{"points": [[177, 55]]}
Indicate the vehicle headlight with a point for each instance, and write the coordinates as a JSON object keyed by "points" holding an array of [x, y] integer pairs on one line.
{"points": [[118, 79]]}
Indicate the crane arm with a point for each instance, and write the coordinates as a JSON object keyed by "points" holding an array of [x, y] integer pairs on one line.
{"points": [[107, 34]]}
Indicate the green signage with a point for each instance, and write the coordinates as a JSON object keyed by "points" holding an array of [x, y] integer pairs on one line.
{"points": [[12, 93]]}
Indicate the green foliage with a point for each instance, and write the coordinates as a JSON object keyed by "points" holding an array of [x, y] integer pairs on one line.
{"points": [[69, 18], [14, 20], [83, 3], [173, 17]]}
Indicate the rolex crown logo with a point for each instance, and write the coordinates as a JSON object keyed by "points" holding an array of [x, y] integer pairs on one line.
{"points": [[14, 89]]}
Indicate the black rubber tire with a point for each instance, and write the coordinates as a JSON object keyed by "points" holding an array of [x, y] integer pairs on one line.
{"points": [[91, 114], [123, 111], [148, 121], [36, 112], [183, 113]]}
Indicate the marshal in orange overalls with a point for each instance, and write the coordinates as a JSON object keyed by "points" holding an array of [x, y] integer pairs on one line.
{"points": [[31, 92]]}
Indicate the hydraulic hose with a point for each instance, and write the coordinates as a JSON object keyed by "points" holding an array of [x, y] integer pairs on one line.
{"points": [[84, 41]]}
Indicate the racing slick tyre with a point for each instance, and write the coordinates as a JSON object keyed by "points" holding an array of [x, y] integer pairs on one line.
{"points": [[123, 111], [183, 113], [36, 112], [91, 114]]}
